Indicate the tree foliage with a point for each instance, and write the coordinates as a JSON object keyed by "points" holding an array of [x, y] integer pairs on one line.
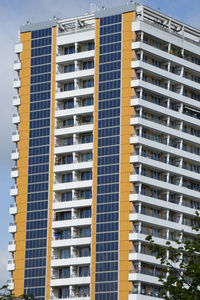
{"points": [[5, 294], [181, 266]]}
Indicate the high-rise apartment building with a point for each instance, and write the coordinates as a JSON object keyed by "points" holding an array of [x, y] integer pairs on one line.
{"points": [[107, 151]]}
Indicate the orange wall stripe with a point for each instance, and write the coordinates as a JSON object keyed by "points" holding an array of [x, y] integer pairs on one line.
{"points": [[125, 167], [48, 270], [95, 139], [22, 164]]}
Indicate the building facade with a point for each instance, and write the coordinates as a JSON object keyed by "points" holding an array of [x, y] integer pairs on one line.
{"points": [[107, 151]]}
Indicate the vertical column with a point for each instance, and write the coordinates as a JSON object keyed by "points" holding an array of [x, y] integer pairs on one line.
{"points": [[50, 206], [108, 159], [95, 144], [125, 151], [21, 199]]}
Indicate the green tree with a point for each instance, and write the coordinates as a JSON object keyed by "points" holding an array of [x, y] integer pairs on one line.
{"points": [[5, 294], [181, 273]]}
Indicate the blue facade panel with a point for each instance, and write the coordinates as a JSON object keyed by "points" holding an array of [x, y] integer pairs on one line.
{"points": [[38, 164], [108, 156]]}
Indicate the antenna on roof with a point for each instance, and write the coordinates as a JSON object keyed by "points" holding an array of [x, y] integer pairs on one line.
{"points": [[93, 8]]}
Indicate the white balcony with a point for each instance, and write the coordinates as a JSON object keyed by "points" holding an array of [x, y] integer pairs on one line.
{"points": [[13, 209], [164, 111], [158, 240], [74, 129], [164, 129], [164, 185], [143, 278], [13, 191], [71, 242], [60, 94], [80, 110], [142, 297], [71, 185], [167, 56], [160, 222], [73, 166], [168, 94], [163, 73], [144, 258], [12, 228], [164, 148], [11, 246], [73, 148], [57, 205], [73, 298], [161, 203], [17, 83], [70, 261], [73, 222], [18, 48], [61, 77], [10, 284], [17, 65], [61, 59], [16, 101], [11, 265], [15, 136], [14, 173], [163, 166], [165, 35], [15, 155], [70, 281], [16, 119]]}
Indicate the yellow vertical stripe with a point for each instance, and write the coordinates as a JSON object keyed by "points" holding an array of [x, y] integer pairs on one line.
{"points": [[48, 272], [23, 146], [95, 138], [125, 167]]}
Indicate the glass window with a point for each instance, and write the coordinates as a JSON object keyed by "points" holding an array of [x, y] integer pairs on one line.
{"points": [[86, 138], [83, 291], [68, 122], [65, 234], [69, 104], [87, 175], [69, 68], [63, 292], [90, 46], [64, 215], [87, 101], [67, 141], [88, 83], [85, 232], [67, 177], [69, 86], [84, 271], [66, 196], [88, 65], [86, 119], [69, 50], [85, 213], [64, 273], [67, 159], [65, 253], [84, 251], [86, 156], [86, 194]]}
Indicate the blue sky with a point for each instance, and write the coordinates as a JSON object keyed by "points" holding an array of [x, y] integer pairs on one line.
{"points": [[14, 13]]}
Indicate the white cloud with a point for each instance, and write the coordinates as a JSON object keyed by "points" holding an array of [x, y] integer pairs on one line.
{"points": [[4, 274]]}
